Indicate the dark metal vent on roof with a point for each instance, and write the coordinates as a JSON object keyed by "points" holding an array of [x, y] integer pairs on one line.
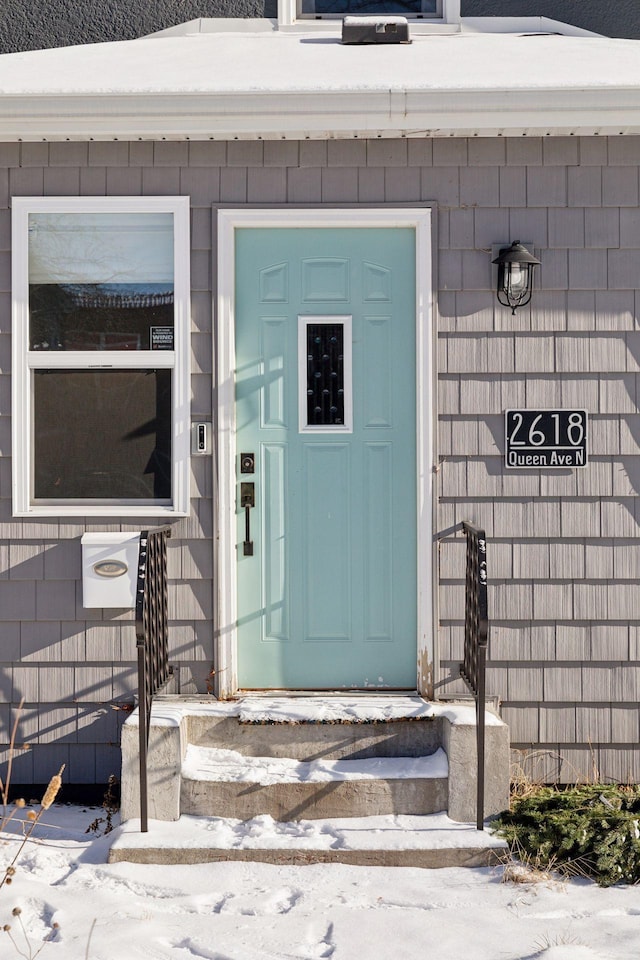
{"points": [[375, 30]]}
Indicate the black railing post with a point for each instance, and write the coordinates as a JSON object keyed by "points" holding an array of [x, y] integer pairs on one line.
{"points": [[476, 638], [142, 680], [152, 642]]}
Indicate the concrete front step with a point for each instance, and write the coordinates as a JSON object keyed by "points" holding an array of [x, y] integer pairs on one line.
{"points": [[215, 782], [393, 841], [307, 730], [336, 740]]}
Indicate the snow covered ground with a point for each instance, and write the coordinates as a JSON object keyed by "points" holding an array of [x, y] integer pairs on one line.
{"points": [[245, 911]]}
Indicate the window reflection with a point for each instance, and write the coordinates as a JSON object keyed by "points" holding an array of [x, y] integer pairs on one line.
{"points": [[101, 281], [413, 8], [102, 434], [101, 316]]}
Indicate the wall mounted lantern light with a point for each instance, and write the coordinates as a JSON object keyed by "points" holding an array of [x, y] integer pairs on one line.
{"points": [[515, 275]]}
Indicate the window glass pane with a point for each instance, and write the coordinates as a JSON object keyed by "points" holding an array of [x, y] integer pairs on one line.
{"points": [[357, 8], [101, 281], [102, 435]]}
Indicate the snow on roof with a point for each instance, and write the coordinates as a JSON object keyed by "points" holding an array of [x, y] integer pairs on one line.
{"points": [[298, 63], [304, 83]]}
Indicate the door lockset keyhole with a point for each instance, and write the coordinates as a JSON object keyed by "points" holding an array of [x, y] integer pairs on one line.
{"points": [[247, 463], [247, 494]]}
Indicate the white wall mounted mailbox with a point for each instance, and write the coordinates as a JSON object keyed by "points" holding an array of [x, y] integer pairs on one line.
{"points": [[109, 569]]}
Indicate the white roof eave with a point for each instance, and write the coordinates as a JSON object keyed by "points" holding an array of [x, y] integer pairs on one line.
{"points": [[270, 84], [296, 115]]}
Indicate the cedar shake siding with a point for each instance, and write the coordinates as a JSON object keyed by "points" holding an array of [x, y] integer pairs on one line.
{"points": [[564, 546]]}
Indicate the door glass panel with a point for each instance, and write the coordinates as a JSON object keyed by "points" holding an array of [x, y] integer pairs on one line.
{"points": [[325, 373], [102, 434]]}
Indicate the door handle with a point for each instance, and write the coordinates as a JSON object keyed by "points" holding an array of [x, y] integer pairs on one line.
{"points": [[247, 500]]}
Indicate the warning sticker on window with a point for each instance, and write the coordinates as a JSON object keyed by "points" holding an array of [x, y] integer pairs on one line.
{"points": [[162, 338]]}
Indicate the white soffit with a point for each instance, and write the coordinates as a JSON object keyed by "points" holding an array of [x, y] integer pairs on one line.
{"points": [[226, 85]]}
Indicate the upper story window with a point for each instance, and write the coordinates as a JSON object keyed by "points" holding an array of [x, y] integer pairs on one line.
{"points": [[342, 8], [100, 356], [100, 281]]}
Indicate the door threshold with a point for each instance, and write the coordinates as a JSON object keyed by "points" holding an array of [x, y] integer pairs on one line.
{"points": [[333, 694], [332, 708]]}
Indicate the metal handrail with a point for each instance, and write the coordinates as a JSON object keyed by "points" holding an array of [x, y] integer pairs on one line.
{"points": [[476, 639], [152, 641]]}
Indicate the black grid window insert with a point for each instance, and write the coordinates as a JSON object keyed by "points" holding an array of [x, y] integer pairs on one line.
{"points": [[325, 374]]}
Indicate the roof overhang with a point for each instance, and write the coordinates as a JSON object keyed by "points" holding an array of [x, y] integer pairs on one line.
{"points": [[286, 115], [271, 85]]}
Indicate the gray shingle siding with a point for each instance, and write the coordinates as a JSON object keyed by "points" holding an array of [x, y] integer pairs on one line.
{"points": [[564, 550]]}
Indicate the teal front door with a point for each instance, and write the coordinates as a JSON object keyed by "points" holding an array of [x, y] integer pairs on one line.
{"points": [[326, 458]]}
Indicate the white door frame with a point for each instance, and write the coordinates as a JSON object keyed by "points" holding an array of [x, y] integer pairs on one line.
{"points": [[229, 220]]}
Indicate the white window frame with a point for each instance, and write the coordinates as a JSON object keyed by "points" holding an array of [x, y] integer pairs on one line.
{"points": [[437, 16], [25, 361], [303, 321], [289, 14]]}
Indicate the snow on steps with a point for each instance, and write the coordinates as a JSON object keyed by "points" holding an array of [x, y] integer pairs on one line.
{"points": [[316, 757], [355, 779], [393, 841], [215, 781]]}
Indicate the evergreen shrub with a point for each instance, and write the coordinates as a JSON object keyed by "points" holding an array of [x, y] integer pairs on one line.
{"points": [[592, 831]]}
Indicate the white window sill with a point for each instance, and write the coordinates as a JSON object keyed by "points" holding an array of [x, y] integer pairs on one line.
{"points": [[109, 512]]}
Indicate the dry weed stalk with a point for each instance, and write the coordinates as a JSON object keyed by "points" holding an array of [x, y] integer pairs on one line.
{"points": [[524, 783], [110, 806], [519, 867], [28, 952], [33, 819], [18, 936], [4, 785], [563, 939]]}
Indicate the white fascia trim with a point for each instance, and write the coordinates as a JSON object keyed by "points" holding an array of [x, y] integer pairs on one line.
{"points": [[318, 114], [420, 218]]}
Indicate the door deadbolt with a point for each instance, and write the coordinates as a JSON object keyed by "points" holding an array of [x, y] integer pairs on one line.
{"points": [[247, 462]]}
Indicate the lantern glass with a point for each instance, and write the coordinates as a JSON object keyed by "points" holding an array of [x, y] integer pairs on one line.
{"points": [[517, 279], [515, 275]]}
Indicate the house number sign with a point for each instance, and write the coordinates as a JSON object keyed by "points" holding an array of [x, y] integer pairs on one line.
{"points": [[545, 439]]}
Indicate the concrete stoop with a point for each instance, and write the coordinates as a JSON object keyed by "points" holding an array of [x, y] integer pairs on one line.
{"points": [[212, 766], [431, 841]]}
